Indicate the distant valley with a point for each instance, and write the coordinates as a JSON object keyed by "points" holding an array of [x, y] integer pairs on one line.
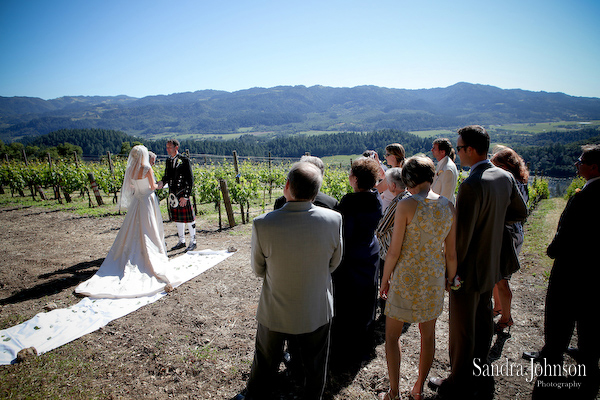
{"points": [[285, 110]]}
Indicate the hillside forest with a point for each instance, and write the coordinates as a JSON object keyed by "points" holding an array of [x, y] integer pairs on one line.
{"points": [[548, 153]]}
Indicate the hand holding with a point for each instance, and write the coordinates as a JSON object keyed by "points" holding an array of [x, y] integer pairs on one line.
{"points": [[383, 290]]}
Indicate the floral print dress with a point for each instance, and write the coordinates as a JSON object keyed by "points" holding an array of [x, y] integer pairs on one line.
{"points": [[418, 282]]}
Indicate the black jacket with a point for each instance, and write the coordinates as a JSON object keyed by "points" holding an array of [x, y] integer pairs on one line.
{"points": [[179, 176]]}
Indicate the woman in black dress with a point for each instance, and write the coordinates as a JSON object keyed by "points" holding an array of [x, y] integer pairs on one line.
{"points": [[355, 280]]}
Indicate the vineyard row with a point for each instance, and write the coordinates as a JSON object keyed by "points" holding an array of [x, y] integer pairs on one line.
{"points": [[245, 183]]}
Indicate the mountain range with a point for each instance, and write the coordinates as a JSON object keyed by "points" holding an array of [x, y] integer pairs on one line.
{"points": [[291, 109]]}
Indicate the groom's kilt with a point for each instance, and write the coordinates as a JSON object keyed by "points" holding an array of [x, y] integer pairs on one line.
{"points": [[183, 214]]}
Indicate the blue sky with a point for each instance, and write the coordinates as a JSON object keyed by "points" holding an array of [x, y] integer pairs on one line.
{"points": [[50, 49]]}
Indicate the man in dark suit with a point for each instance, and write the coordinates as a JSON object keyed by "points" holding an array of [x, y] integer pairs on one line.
{"points": [[487, 200], [322, 199], [295, 249], [180, 178], [572, 296]]}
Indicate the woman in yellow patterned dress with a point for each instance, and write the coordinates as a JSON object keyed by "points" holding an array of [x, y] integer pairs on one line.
{"points": [[420, 264]]}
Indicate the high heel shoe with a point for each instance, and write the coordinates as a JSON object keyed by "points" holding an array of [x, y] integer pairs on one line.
{"points": [[500, 326], [416, 396]]}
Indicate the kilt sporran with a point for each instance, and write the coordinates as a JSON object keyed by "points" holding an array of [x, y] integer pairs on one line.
{"points": [[182, 214]]}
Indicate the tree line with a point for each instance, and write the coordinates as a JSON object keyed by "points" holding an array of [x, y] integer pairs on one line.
{"points": [[550, 153], [96, 142]]}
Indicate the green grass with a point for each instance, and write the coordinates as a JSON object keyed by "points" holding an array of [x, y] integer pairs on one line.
{"points": [[224, 136], [52, 375], [10, 320], [344, 160], [79, 205], [540, 127], [526, 129], [540, 228], [245, 130]]}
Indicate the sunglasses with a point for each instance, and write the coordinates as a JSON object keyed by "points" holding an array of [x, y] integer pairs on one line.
{"points": [[461, 147]]}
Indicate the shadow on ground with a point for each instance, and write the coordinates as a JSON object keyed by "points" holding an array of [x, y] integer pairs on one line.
{"points": [[75, 275]]}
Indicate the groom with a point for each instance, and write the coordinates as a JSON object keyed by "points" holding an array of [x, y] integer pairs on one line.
{"points": [[180, 178]]}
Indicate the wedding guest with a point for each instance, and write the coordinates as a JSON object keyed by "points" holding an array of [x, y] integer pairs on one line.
{"points": [[322, 199], [385, 227], [296, 298], [355, 281], [446, 174], [394, 156], [416, 270], [487, 200], [382, 168], [152, 158], [508, 159], [291, 355], [572, 295]]}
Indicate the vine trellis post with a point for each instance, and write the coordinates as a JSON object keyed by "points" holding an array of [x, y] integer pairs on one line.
{"points": [[95, 189], [227, 202]]}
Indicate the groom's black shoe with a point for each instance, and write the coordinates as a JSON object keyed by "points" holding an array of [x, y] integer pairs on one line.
{"points": [[532, 355], [178, 246], [191, 247]]}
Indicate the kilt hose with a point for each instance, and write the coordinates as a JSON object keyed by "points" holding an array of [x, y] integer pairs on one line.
{"points": [[182, 214]]}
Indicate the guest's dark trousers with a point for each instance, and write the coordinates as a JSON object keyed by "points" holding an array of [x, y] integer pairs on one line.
{"points": [[569, 303], [313, 350], [471, 330]]}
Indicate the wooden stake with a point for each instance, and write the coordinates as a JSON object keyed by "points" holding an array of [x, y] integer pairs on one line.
{"points": [[227, 202], [94, 186]]}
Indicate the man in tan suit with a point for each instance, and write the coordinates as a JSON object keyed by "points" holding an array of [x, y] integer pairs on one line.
{"points": [[446, 174], [295, 249], [487, 200]]}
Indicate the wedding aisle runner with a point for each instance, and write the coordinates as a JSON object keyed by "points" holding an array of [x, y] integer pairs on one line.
{"points": [[49, 330]]}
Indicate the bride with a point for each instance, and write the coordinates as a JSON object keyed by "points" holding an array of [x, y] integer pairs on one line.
{"points": [[137, 263]]}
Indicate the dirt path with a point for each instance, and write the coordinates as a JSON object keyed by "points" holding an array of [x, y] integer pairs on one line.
{"points": [[198, 342]]}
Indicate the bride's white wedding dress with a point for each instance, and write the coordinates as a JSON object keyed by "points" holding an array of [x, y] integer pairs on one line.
{"points": [[137, 263]]}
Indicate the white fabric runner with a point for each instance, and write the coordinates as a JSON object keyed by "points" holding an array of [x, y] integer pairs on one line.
{"points": [[49, 330]]}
